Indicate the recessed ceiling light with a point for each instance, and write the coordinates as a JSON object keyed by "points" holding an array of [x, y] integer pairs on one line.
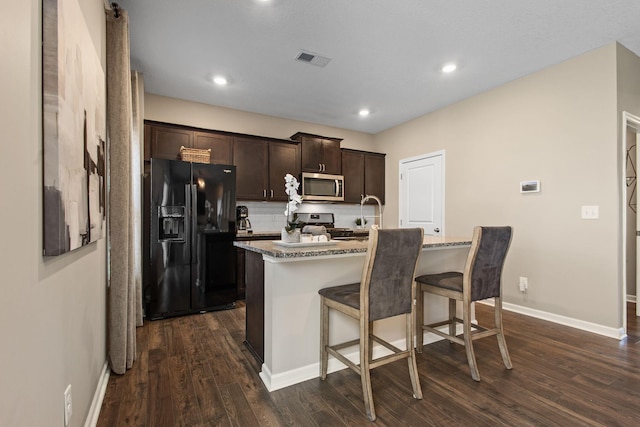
{"points": [[449, 68], [364, 112], [220, 80]]}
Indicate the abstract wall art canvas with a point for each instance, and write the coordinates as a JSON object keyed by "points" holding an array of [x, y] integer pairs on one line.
{"points": [[74, 131]]}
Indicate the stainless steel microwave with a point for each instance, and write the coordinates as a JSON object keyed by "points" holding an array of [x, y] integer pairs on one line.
{"points": [[322, 187]]}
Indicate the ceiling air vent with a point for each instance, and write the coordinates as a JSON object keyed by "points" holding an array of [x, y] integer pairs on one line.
{"points": [[312, 58]]}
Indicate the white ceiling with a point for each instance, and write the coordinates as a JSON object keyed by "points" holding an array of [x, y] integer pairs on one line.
{"points": [[386, 54]]}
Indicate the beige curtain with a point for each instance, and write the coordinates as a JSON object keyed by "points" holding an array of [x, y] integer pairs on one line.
{"points": [[137, 156], [124, 303]]}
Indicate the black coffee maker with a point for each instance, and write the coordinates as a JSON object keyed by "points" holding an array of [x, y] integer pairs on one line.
{"points": [[242, 219]]}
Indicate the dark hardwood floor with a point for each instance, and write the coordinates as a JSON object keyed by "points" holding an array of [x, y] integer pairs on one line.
{"points": [[195, 371]]}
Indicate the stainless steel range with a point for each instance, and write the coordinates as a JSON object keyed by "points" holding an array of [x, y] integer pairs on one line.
{"points": [[328, 220]]}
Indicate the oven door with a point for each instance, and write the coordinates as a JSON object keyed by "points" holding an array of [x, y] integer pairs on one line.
{"points": [[322, 187]]}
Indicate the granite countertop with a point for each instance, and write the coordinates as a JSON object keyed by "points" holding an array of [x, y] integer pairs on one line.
{"points": [[257, 234], [269, 248], [243, 235]]}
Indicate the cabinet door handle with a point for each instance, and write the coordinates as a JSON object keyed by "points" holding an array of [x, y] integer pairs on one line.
{"points": [[264, 193], [319, 167], [272, 193]]}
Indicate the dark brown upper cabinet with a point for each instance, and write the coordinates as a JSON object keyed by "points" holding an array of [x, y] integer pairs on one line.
{"points": [[364, 173], [261, 166], [319, 153], [374, 175], [284, 158], [164, 141], [353, 171], [251, 158], [221, 146]]}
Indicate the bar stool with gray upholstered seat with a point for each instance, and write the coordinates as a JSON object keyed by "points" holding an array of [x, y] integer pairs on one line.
{"points": [[386, 289], [481, 280]]}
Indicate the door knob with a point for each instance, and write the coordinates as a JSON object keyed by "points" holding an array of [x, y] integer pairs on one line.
{"points": [[436, 230]]}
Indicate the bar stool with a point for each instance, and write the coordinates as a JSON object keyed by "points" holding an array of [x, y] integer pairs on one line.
{"points": [[481, 280], [386, 289]]}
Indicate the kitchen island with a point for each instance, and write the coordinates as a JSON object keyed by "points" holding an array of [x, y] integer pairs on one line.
{"points": [[283, 305]]}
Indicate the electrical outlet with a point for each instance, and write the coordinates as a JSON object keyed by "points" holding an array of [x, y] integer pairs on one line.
{"points": [[524, 284], [68, 408]]}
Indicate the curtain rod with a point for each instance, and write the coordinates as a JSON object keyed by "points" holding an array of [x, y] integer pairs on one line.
{"points": [[116, 10], [112, 6]]}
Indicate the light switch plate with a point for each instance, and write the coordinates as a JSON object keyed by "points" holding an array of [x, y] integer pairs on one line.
{"points": [[591, 212]]}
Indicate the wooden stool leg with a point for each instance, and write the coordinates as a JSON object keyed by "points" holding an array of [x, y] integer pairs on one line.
{"points": [[419, 317], [468, 341], [365, 372], [413, 367], [452, 317], [502, 343], [370, 342], [324, 338]]}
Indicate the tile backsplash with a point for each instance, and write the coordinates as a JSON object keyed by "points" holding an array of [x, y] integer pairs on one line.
{"points": [[269, 216]]}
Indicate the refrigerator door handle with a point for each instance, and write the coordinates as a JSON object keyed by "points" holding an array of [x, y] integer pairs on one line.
{"points": [[193, 215], [188, 215]]}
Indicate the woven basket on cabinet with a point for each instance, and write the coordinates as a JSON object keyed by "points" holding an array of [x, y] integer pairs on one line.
{"points": [[195, 155]]}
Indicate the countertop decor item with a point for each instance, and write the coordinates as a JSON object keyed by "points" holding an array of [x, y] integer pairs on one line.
{"points": [[291, 233]]}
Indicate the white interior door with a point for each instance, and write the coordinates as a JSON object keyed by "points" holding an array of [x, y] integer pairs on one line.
{"points": [[422, 192]]}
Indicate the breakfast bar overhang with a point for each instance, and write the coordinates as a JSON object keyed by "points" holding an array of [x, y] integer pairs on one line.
{"points": [[282, 287]]}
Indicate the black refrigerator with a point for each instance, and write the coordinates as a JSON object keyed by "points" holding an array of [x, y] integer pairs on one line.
{"points": [[192, 229]]}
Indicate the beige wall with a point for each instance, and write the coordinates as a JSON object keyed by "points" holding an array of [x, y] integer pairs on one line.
{"points": [[52, 321], [558, 125], [172, 110]]}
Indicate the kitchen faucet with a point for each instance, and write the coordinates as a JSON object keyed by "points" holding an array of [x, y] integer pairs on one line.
{"points": [[364, 199]]}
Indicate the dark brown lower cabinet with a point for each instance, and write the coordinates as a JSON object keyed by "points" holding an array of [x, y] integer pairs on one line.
{"points": [[240, 273], [254, 299], [240, 258]]}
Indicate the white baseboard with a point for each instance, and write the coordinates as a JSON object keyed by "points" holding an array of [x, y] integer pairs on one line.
{"points": [[98, 396], [285, 379], [607, 331], [277, 381]]}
